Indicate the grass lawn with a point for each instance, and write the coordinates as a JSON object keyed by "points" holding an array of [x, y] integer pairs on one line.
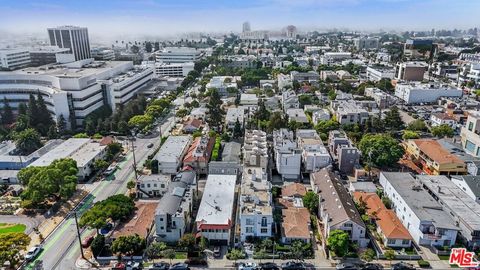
{"points": [[9, 228], [181, 255]]}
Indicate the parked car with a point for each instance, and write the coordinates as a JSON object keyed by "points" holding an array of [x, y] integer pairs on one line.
{"points": [[247, 266], [160, 266], [269, 266], [150, 145], [118, 266], [133, 266], [32, 253], [105, 230], [179, 266], [291, 265], [87, 241], [217, 251], [402, 266], [346, 266], [372, 266]]}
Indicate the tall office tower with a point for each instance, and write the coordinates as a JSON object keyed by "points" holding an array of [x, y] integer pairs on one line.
{"points": [[72, 37], [246, 27]]}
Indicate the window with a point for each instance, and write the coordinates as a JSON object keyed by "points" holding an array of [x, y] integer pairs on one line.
{"points": [[161, 219], [348, 225], [405, 242], [264, 230], [469, 146], [391, 241], [161, 228], [264, 222], [148, 185], [470, 126], [154, 185], [162, 185], [249, 229], [142, 185]]}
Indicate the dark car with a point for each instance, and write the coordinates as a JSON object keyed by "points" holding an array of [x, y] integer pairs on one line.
{"points": [[293, 266], [346, 266], [160, 266], [402, 266], [372, 266], [179, 266], [87, 241], [269, 266]]}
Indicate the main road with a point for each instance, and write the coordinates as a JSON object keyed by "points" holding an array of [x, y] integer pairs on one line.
{"points": [[61, 248]]}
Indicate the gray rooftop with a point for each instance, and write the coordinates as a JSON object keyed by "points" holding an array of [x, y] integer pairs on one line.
{"points": [[464, 207], [171, 202], [418, 199], [231, 152], [172, 149], [473, 182]]}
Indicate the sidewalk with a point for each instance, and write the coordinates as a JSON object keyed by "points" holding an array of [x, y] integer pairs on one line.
{"points": [[49, 224]]}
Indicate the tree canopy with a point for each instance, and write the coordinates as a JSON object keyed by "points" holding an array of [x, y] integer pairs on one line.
{"points": [[27, 140], [380, 149], [310, 200], [442, 131], [10, 246], [338, 242], [128, 245], [117, 207]]}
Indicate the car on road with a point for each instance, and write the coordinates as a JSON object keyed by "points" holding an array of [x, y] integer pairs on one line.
{"points": [[269, 266], [32, 253], [87, 241], [346, 266], [150, 145], [179, 266], [372, 266], [160, 266], [247, 266], [133, 266], [402, 266], [291, 265]]}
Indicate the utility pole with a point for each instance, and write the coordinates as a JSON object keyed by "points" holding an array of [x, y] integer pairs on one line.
{"points": [[134, 161], [78, 234]]}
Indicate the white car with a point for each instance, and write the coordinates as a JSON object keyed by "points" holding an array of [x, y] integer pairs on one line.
{"points": [[32, 252], [247, 266]]}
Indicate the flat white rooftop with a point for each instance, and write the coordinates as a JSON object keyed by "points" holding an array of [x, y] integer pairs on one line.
{"points": [[172, 149], [217, 201], [66, 149]]}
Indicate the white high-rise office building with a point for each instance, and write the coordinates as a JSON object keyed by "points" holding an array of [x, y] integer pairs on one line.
{"points": [[72, 37]]}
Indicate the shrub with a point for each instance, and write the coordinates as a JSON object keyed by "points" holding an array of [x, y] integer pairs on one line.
{"points": [[423, 263]]}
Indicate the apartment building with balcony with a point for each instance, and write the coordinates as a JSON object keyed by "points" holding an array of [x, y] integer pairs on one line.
{"points": [[426, 219], [255, 149], [343, 152], [315, 155], [434, 159], [470, 134], [287, 155]]}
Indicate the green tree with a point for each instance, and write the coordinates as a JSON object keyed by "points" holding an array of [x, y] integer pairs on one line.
{"points": [[237, 130], [97, 245], [368, 255], [277, 121], [338, 242], [148, 46], [44, 117], [61, 125], [169, 254], [140, 121], [408, 134], [100, 164], [81, 136], [33, 112], [310, 201], [155, 250], [297, 249], [392, 120], [11, 244], [214, 109], [117, 207], [380, 149], [235, 254], [7, 113], [442, 131], [187, 241], [417, 125], [27, 140], [128, 245], [389, 255]]}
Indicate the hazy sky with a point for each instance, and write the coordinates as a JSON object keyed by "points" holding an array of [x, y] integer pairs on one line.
{"points": [[165, 17]]}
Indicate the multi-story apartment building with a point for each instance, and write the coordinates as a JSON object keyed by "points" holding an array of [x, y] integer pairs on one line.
{"points": [[310, 77], [178, 55], [426, 220], [173, 215], [153, 185], [382, 99], [170, 155], [214, 219], [103, 54], [343, 152], [225, 85], [256, 215], [465, 211], [255, 149], [376, 73], [287, 154], [72, 37], [198, 154], [412, 93], [336, 208], [470, 134], [349, 112], [290, 100], [433, 158], [315, 155], [366, 43], [11, 59], [411, 71], [233, 116]]}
